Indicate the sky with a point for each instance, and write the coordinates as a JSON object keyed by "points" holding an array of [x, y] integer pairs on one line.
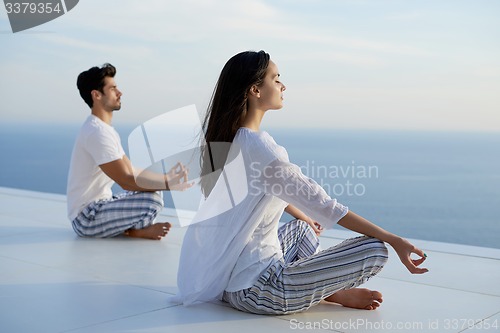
{"points": [[348, 64]]}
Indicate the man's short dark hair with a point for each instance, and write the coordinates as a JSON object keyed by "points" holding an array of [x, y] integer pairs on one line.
{"points": [[93, 79]]}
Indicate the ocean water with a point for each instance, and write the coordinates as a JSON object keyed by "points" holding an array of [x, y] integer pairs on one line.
{"points": [[440, 186]]}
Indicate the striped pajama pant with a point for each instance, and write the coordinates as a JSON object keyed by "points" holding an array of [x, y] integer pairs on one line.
{"points": [[303, 277], [112, 217]]}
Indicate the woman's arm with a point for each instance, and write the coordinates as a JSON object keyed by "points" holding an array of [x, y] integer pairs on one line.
{"points": [[298, 214], [403, 248], [286, 181]]}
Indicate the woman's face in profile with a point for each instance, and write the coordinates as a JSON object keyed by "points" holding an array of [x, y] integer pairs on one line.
{"points": [[271, 90]]}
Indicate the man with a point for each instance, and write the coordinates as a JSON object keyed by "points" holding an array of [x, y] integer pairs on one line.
{"points": [[98, 161]]}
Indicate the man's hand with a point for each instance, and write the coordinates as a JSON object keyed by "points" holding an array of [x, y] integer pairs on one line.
{"points": [[177, 178]]}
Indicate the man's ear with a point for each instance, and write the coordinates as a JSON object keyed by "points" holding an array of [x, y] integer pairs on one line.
{"points": [[95, 94], [254, 91]]}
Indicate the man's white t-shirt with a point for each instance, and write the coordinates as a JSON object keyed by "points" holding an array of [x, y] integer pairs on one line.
{"points": [[97, 143]]}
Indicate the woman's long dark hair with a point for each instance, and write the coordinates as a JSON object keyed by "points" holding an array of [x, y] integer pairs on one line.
{"points": [[227, 109]]}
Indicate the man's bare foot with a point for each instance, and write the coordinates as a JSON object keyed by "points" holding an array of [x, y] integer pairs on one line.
{"points": [[155, 231], [357, 298]]}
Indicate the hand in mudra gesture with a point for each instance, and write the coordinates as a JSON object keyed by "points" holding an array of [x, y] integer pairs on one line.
{"points": [[177, 178]]}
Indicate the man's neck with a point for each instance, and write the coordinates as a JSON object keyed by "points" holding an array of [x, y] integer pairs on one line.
{"points": [[103, 115]]}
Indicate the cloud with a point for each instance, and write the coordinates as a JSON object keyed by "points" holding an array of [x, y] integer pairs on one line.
{"points": [[172, 51], [405, 16], [487, 72], [192, 21], [154, 20], [361, 60], [69, 42]]}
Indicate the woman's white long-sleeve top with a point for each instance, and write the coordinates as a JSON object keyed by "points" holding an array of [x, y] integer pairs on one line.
{"points": [[228, 248]]}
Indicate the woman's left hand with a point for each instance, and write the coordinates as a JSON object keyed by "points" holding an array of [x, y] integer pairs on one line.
{"points": [[404, 249]]}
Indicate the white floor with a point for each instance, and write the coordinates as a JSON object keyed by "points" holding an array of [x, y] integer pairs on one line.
{"points": [[53, 281]]}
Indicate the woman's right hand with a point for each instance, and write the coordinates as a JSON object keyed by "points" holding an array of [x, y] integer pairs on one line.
{"points": [[404, 249], [315, 226]]}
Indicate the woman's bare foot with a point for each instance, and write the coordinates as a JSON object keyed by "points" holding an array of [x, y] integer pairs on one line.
{"points": [[155, 231], [357, 298]]}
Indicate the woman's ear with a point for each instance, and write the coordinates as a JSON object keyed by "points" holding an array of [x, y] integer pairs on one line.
{"points": [[254, 91]]}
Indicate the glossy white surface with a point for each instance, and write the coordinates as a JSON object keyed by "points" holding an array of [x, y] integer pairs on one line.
{"points": [[53, 281]]}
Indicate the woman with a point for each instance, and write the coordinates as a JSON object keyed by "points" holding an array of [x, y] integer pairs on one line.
{"points": [[239, 255]]}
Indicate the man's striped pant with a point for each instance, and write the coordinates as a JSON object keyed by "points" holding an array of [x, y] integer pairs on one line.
{"points": [[112, 217]]}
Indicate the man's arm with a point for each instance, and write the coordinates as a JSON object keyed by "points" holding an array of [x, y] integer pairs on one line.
{"points": [[122, 172]]}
